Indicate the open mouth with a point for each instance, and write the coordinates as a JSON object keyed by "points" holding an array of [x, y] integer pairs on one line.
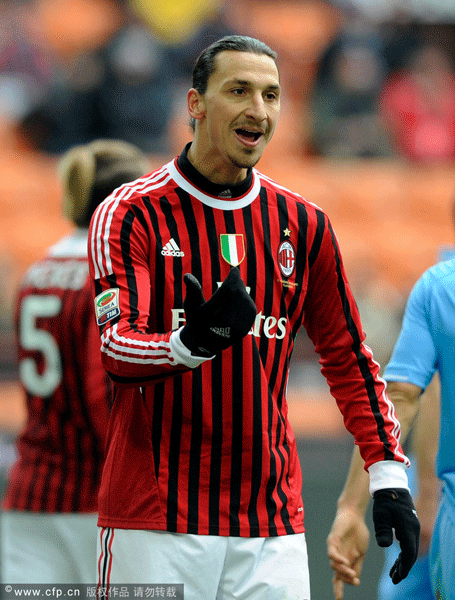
{"points": [[248, 136]]}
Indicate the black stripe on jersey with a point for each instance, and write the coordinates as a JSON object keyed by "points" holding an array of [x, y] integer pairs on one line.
{"points": [[157, 424], [125, 234], [317, 241], [141, 218], [193, 232], [216, 447], [158, 283], [107, 532], [361, 358], [195, 452], [250, 248], [237, 438], [174, 454], [171, 223], [256, 451]]}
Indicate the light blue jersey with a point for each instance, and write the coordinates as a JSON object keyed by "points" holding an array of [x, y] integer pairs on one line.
{"points": [[427, 344]]}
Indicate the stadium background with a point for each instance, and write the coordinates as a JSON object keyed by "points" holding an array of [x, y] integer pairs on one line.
{"points": [[391, 216]]}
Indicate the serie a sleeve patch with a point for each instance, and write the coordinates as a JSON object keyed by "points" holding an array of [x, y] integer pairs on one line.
{"points": [[107, 306]]}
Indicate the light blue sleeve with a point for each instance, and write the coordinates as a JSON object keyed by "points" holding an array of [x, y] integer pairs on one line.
{"points": [[414, 356]]}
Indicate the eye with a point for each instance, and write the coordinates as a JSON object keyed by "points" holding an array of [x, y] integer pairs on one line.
{"points": [[271, 96], [238, 91]]}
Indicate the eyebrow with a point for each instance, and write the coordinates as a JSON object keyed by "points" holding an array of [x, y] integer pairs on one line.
{"points": [[246, 83]]}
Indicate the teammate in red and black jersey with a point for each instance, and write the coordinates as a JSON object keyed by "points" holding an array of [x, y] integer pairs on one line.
{"points": [[50, 506], [203, 272]]}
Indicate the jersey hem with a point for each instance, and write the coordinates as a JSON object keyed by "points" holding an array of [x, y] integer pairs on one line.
{"points": [[287, 529]]}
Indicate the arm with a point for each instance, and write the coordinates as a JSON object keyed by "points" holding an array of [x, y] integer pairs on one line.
{"points": [[333, 324], [348, 539], [424, 448], [93, 378], [120, 250], [410, 369]]}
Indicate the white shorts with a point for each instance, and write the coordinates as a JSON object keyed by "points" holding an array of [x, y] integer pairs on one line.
{"points": [[210, 567], [48, 548]]}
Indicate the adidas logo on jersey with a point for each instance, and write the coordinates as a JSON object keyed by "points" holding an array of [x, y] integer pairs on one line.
{"points": [[171, 249]]}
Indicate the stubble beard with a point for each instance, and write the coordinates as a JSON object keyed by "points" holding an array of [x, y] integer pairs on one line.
{"points": [[248, 161]]}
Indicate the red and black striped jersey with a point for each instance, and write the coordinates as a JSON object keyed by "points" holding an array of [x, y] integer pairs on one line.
{"points": [[210, 450], [67, 391]]}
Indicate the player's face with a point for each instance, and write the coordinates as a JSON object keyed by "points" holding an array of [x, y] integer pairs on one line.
{"points": [[239, 111]]}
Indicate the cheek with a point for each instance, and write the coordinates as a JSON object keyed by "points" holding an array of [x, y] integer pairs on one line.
{"points": [[218, 125]]}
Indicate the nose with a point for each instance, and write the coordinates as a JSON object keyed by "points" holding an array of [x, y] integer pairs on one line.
{"points": [[257, 108]]}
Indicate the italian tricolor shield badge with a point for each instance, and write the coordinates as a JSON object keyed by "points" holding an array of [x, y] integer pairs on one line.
{"points": [[232, 248]]}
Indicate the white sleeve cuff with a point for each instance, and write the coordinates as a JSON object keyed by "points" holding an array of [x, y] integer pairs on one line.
{"points": [[387, 474], [182, 354]]}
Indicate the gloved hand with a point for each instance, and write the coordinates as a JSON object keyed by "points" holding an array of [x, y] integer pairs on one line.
{"points": [[394, 508], [219, 322]]}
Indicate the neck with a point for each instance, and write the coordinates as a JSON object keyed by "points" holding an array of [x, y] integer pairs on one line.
{"points": [[215, 169]]}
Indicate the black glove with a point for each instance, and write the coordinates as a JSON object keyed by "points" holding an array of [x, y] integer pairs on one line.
{"points": [[394, 508], [219, 322]]}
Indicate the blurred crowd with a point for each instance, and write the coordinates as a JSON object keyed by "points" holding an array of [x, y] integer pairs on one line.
{"points": [[75, 70], [357, 84]]}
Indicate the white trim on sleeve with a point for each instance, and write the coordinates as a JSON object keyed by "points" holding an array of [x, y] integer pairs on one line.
{"points": [[387, 474], [182, 354]]}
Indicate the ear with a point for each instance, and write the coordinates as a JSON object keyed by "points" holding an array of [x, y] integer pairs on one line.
{"points": [[196, 104]]}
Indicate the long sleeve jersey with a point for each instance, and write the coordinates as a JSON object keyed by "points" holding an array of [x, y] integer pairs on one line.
{"points": [[67, 392], [210, 450]]}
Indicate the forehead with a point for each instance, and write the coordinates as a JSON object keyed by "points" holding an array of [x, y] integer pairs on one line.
{"points": [[258, 69]]}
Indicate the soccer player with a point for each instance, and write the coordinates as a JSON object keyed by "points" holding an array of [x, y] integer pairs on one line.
{"points": [[203, 272], [49, 511]]}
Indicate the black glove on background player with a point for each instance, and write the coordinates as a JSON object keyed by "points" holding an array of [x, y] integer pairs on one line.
{"points": [[394, 508], [219, 322]]}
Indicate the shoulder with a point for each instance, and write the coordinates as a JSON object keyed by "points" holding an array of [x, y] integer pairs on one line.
{"points": [[442, 274], [434, 284], [133, 192], [290, 195]]}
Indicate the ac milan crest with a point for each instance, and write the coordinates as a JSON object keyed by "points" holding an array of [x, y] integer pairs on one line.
{"points": [[286, 258]]}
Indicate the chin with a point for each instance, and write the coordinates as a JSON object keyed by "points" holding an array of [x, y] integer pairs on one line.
{"points": [[248, 160]]}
